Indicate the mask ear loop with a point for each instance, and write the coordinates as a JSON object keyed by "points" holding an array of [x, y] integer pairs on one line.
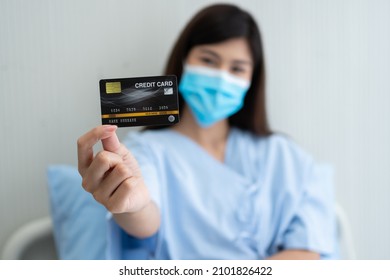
{"points": [[184, 66]]}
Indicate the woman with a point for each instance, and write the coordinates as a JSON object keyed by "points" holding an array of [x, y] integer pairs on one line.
{"points": [[219, 184]]}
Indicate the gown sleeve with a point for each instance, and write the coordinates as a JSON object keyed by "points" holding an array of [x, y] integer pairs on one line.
{"points": [[148, 163], [313, 226], [121, 245]]}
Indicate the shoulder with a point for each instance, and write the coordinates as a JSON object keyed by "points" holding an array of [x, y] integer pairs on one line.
{"points": [[276, 157], [161, 143], [286, 149], [288, 159], [276, 146], [294, 170], [136, 138]]}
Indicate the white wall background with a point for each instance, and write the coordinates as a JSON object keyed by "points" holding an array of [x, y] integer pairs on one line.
{"points": [[328, 66]]}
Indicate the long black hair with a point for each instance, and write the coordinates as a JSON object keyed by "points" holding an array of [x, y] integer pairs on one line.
{"points": [[215, 24]]}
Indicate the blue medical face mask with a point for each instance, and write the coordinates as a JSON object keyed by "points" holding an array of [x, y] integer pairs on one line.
{"points": [[212, 94]]}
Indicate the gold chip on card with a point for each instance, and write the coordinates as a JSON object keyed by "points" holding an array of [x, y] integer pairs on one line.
{"points": [[113, 87]]}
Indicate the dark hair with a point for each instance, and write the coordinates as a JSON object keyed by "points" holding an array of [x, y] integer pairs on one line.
{"points": [[215, 24]]}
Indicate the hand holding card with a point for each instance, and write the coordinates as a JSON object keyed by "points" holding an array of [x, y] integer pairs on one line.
{"points": [[115, 180], [112, 173]]}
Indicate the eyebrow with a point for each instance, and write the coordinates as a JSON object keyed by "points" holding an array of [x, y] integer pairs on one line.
{"points": [[236, 61], [210, 52]]}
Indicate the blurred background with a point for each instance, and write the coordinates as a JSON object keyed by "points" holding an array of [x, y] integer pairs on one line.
{"points": [[328, 86]]}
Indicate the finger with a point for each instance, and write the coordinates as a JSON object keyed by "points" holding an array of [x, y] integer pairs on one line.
{"points": [[111, 182], [130, 196], [112, 144], [86, 142], [102, 163]]}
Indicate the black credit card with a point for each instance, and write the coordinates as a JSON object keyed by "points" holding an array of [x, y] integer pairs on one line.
{"points": [[139, 101]]}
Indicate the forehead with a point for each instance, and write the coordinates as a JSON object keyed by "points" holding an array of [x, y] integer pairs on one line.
{"points": [[234, 49]]}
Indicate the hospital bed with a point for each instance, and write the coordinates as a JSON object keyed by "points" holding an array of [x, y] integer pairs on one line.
{"points": [[32, 241], [35, 240]]}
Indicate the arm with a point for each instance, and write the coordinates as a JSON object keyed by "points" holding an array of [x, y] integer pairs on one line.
{"points": [[141, 224], [114, 179], [295, 255]]}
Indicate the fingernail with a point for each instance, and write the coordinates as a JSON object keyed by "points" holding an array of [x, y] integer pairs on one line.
{"points": [[110, 128]]}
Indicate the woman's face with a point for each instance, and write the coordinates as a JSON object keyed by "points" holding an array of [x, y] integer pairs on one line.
{"points": [[233, 56]]}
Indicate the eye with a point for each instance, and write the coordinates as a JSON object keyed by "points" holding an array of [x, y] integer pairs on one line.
{"points": [[237, 70], [208, 61]]}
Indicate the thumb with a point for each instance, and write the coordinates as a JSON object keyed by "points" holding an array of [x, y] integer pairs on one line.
{"points": [[111, 142]]}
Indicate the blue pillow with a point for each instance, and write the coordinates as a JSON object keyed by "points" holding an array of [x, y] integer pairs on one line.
{"points": [[79, 222]]}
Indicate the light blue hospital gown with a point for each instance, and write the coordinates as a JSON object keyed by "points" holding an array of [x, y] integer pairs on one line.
{"points": [[267, 195]]}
